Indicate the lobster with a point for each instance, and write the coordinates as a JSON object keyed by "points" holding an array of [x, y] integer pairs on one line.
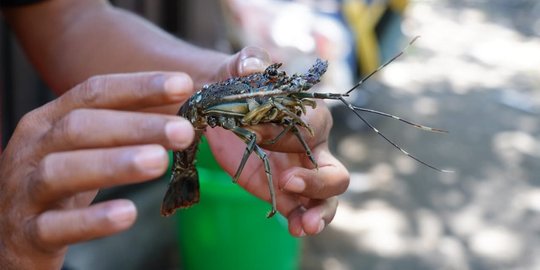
{"points": [[266, 97]]}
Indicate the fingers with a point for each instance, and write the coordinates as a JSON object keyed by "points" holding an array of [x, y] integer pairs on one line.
{"points": [[53, 191], [330, 179], [312, 219], [63, 174], [319, 187], [249, 60], [311, 205], [124, 91], [85, 128], [58, 228]]}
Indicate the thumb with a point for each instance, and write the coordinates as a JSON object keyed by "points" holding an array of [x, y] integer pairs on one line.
{"points": [[249, 60]]}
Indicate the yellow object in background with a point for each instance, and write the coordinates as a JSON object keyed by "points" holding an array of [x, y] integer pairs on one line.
{"points": [[363, 19]]}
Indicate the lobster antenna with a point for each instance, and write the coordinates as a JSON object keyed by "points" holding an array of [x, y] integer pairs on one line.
{"points": [[416, 125], [382, 66], [353, 108]]}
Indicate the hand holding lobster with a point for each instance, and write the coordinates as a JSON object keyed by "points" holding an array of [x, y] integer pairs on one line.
{"points": [[250, 107], [305, 195]]}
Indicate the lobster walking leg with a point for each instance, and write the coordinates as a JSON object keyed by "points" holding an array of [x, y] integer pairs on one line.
{"points": [[296, 120], [286, 129], [290, 126], [264, 158], [298, 135], [250, 139]]}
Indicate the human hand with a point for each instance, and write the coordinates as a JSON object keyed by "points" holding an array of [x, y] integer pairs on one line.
{"points": [[305, 195], [94, 136]]}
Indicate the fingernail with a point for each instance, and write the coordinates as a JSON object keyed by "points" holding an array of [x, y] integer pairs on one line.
{"points": [[180, 133], [321, 226], [178, 86], [251, 65], [295, 184], [122, 213], [151, 158]]}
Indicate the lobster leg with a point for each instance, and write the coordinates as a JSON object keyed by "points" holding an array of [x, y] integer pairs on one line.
{"points": [[298, 135], [286, 129], [264, 158], [250, 139], [297, 120], [292, 127]]}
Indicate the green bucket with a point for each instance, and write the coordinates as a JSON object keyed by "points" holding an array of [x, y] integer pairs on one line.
{"points": [[228, 229]]}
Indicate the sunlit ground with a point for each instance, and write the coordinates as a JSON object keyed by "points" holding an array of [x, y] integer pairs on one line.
{"points": [[475, 71]]}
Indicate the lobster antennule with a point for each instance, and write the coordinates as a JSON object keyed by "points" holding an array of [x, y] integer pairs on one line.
{"points": [[381, 66]]}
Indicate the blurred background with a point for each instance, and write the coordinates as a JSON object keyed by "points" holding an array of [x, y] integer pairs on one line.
{"points": [[475, 71]]}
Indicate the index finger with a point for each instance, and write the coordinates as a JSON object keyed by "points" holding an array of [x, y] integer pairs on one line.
{"points": [[130, 91]]}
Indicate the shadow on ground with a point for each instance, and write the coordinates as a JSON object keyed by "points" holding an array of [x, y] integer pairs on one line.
{"points": [[475, 73]]}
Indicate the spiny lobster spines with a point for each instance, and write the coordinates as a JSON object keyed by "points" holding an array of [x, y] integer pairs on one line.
{"points": [[313, 76], [304, 82]]}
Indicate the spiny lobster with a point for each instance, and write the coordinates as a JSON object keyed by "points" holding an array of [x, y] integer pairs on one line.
{"points": [[268, 97]]}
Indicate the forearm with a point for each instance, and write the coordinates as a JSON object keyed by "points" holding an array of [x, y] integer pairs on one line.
{"points": [[69, 41]]}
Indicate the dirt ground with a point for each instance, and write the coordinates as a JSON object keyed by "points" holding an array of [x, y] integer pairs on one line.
{"points": [[475, 71]]}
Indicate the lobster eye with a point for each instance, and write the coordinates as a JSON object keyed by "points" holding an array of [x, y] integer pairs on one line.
{"points": [[272, 72]]}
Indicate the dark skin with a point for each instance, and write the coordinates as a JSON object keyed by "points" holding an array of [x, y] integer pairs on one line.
{"points": [[51, 169]]}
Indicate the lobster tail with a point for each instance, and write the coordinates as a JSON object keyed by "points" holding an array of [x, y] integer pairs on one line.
{"points": [[183, 192]]}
